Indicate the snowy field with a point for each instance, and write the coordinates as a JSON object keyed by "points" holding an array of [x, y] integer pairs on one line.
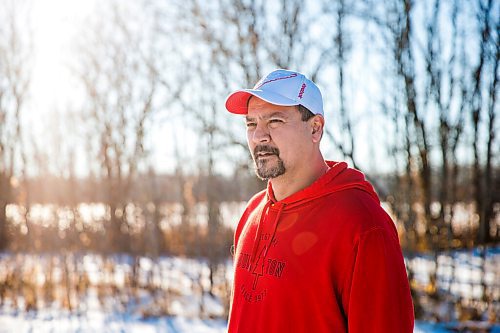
{"points": [[46, 322], [166, 295], [99, 323], [461, 273], [170, 294]]}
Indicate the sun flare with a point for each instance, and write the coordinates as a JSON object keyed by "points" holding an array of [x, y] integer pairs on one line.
{"points": [[55, 24]]}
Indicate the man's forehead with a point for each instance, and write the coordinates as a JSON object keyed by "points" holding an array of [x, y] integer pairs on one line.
{"points": [[268, 114]]}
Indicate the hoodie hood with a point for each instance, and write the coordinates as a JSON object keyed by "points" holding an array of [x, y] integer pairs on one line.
{"points": [[338, 178]]}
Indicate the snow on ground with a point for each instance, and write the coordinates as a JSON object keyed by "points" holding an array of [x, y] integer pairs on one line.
{"points": [[98, 322], [426, 327], [181, 280]]}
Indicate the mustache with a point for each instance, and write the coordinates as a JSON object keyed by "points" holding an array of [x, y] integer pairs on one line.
{"points": [[265, 149]]}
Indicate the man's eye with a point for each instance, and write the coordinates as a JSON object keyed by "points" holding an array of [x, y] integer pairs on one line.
{"points": [[275, 121], [251, 125]]}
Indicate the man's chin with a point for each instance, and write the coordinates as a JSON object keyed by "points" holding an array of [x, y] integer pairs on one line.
{"points": [[267, 168], [269, 173]]}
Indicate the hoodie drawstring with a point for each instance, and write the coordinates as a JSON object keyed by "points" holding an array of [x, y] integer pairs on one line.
{"points": [[256, 242], [276, 221]]}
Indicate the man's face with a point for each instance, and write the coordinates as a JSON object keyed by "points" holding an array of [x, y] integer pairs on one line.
{"points": [[277, 138]]}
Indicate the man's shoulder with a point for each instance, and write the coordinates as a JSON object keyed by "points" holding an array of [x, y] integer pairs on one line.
{"points": [[256, 199], [253, 203], [358, 210], [352, 198]]}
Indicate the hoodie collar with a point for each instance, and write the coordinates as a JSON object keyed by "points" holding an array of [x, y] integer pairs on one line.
{"points": [[339, 177]]}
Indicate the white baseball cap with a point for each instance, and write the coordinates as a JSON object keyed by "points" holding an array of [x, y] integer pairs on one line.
{"points": [[280, 87]]}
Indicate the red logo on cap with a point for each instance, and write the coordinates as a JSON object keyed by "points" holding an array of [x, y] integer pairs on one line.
{"points": [[301, 92], [277, 79]]}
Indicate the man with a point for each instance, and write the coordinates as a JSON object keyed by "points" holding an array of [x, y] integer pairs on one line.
{"points": [[314, 252]]}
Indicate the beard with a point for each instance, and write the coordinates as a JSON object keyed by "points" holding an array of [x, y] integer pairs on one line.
{"points": [[270, 166]]}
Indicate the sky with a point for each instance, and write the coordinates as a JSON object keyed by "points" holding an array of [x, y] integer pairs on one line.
{"points": [[56, 24]]}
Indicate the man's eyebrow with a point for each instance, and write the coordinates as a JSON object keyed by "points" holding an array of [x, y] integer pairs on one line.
{"points": [[274, 114], [277, 114]]}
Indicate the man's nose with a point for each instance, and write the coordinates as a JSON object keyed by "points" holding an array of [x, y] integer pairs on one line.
{"points": [[261, 134]]}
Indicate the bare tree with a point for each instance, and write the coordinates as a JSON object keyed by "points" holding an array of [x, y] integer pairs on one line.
{"points": [[15, 76], [485, 73], [120, 79], [443, 90], [339, 11]]}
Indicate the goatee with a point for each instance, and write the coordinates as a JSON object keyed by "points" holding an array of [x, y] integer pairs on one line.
{"points": [[264, 168]]}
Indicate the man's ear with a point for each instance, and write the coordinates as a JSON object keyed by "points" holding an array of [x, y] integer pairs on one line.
{"points": [[317, 125]]}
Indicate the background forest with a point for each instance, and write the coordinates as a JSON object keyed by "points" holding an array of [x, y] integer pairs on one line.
{"points": [[116, 150]]}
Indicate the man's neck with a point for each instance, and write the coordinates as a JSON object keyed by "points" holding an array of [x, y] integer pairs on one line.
{"points": [[288, 184]]}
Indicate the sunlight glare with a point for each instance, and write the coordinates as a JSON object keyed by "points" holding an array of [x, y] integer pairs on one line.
{"points": [[55, 24]]}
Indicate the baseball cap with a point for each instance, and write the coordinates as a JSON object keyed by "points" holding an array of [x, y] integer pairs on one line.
{"points": [[280, 87]]}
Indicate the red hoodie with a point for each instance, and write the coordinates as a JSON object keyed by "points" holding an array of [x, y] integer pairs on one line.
{"points": [[325, 259]]}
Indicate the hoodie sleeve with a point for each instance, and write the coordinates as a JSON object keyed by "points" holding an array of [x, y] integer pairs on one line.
{"points": [[376, 297]]}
